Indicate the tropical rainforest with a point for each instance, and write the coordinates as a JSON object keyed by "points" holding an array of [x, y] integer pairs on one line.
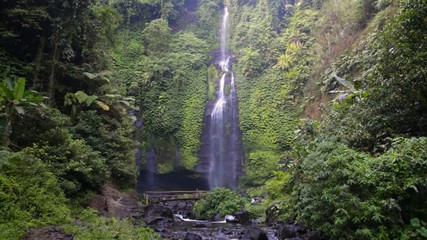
{"points": [[332, 105]]}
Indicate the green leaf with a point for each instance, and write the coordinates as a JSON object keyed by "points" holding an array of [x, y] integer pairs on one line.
{"points": [[36, 99], [415, 222], [90, 100], [91, 75], [19, 89], [423, 232], [125, 103], [6, 91], [133, 118], [81, 96], [101, 75]]}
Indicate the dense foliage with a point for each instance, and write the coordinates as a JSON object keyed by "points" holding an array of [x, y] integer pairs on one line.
{"points": [[352, 195], [387, 103], [30, 195], [274, 65], [358, 173], [166, 71], [332, 104], [109, 228], [98, 66], [221, 201]]}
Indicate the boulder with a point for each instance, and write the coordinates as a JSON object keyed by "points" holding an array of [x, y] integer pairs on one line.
{"points": [[158, 216], [230, 219], [242, 216], [113, 203], [182, 207], [254, 233], [158, 210], [295, 232], [286, 231]]}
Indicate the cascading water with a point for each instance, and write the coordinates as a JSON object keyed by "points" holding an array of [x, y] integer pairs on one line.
{"points": [[221, 153]]}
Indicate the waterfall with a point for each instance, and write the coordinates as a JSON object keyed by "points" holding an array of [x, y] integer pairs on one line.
{"points": [[222, 150]]}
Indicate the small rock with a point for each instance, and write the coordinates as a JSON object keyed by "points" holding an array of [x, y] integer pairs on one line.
{"points": [[192, 236], [160, 228], [221, 237]]}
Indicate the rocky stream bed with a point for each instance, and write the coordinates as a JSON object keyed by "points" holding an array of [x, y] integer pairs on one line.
{"points": [[174, 220]]}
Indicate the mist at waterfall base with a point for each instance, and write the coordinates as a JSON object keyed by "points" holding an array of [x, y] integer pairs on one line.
{"points": [[221, 152]]}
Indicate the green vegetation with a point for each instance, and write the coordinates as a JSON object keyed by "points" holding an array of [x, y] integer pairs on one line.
{"points": [[30, 195], [103, 228], [97, 67], [270, 84], [352, 195], [357, 172], [167, 73], [219, 201], [332, 98]]}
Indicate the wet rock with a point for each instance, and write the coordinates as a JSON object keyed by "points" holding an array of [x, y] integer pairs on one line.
{"points": [[182, 207], [242, 216], [158, 221], [230, 219], [296, 232], [221, 237], [160, 228], [199, 225], [192, 236], [158, 210], [254, 233], [50, 232], [255, 221], [287, 231]]}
